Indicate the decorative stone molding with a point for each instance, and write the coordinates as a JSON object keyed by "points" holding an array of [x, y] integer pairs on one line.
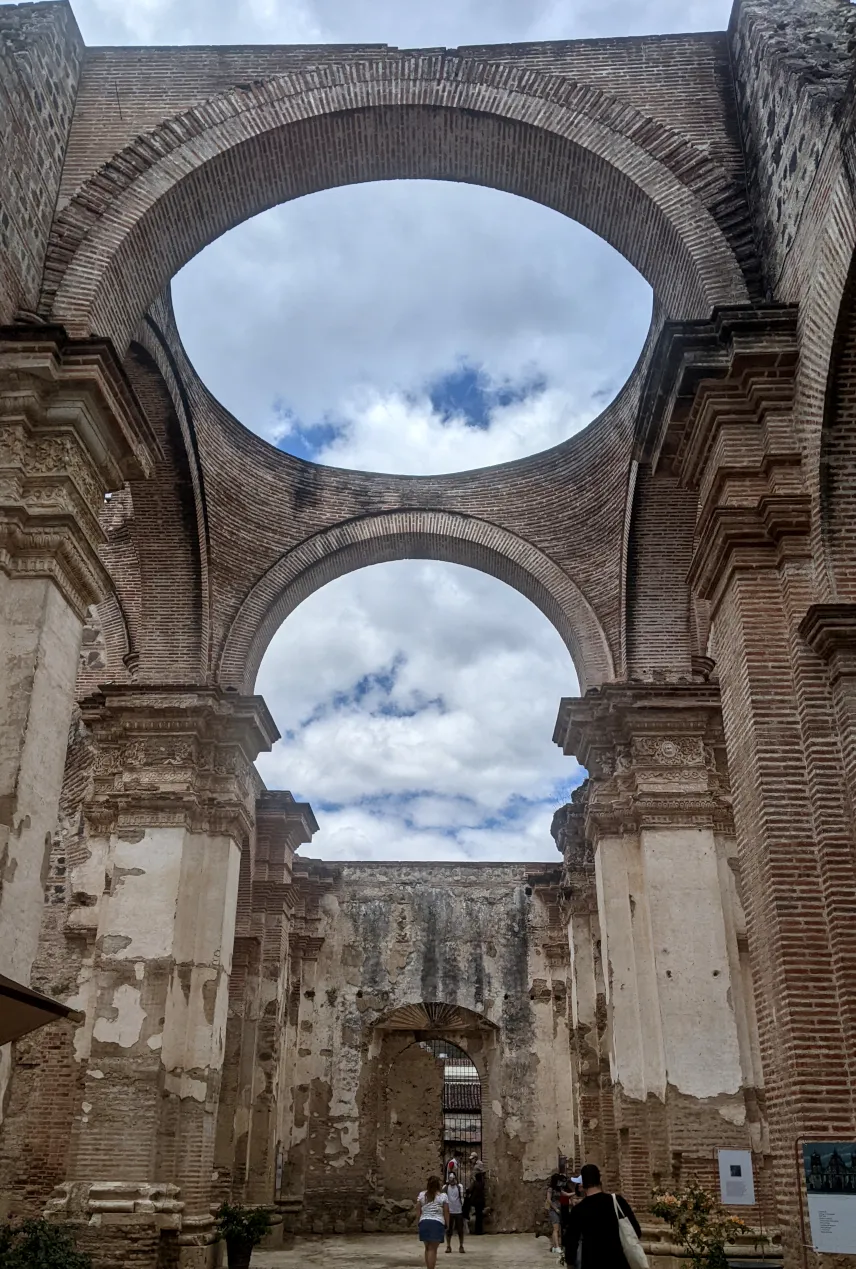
{"points": [[93, 1200], [72, 430], [830, 630], [717, 414], [178, 755], [655, 754]]}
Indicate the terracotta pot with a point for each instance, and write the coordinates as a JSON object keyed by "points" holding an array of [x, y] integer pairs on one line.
{"points": [[238, 1253]]}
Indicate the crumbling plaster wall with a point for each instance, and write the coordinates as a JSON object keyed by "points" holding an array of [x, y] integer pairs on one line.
{"points": [[397, 935]]}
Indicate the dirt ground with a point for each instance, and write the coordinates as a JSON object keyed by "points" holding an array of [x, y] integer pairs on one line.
{"points": [[390, 1251]]}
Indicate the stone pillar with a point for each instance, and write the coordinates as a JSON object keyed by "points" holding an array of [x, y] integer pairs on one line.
{"points": [[70, 430], [595, 1111], [171, 809], [282, 825], [725, 425], [658, 799], [312, 880]]}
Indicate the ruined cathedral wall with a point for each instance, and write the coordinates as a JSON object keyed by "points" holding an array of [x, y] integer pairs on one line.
{"points": [[356, 1123]]}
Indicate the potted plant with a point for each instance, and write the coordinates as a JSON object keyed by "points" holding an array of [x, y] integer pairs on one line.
{"points": [[242, 1228], [701, 1226], [39, 1244]]}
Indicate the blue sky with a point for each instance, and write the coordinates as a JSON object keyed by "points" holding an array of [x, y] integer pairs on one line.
{"points": [[412, 327]]}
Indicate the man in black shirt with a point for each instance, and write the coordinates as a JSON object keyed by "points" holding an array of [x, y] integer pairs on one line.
{"points": [[593, 1226]]}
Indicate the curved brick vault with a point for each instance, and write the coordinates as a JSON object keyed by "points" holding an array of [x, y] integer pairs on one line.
{"points": [[656, 174]]}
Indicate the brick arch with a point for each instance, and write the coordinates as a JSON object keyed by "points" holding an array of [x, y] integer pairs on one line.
{"points": [[838, 452], [413, 534], [656, 197]]}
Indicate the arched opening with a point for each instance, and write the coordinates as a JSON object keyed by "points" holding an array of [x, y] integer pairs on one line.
{"points": [[412, 326], [416, 701], [462, 1106]]}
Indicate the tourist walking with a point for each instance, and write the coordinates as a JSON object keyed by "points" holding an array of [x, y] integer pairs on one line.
{"points": [[476, 1197], [553, 1208], [432, 1210], [455, 1195], [593, 1226]]}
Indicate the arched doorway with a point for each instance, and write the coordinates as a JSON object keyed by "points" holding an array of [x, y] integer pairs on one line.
{"points": [[462, 1104]]}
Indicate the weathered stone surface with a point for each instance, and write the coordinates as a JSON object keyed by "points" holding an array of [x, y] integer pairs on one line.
{"points": [[683, 979]]}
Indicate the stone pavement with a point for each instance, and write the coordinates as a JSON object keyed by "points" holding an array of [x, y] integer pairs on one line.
{"points": [[389, 1251]]}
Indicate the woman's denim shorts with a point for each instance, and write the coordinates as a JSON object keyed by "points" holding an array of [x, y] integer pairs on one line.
{"points": [[431, 1231]]}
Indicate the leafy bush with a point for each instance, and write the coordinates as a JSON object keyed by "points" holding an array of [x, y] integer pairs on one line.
{"points": [[243, 1224], [700, 1224], [39, 1245]]}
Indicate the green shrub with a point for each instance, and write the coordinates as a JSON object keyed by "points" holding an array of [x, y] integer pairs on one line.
{"points": [[247, 1224], [39, 1245]]}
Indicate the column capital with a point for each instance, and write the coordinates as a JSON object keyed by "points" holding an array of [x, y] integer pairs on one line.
{"points": [[175, 755], [655, 755], [72, 430]]}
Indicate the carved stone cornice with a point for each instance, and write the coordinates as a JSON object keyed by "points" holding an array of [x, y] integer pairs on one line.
{"points": [[282, 826], [830, 630], [175, 755], [717, 413], [304, 947], [71, 430], [655, 755]]}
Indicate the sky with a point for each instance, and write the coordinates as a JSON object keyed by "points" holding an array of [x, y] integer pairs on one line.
{"points": [[412, 327]]}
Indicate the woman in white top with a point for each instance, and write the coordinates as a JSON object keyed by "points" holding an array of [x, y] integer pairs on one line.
{"points": [[432, 1207], [455, 1195]]}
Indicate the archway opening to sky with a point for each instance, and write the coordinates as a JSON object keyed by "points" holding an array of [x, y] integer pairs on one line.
{"points": [[412, 326], [416, 702]]}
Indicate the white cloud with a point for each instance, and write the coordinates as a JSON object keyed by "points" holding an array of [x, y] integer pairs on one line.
{"points": [[408, 25], [420, 736], [351, 304]]}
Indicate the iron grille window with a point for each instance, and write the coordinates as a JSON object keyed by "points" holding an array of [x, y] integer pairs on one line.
{"points": [[462, 1117]]}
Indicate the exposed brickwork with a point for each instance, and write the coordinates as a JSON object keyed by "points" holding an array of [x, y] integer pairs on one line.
{"points": [[694, 545], [40, 57]]}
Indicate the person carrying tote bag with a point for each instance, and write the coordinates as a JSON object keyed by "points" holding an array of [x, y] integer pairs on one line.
{"points": [[596, 1227], [634, 1252]]}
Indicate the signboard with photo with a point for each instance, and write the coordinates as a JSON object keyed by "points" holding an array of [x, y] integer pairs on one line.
{"points": [[830, 1181], [736, 1181]]}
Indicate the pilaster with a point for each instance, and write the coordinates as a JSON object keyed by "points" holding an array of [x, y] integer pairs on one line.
{"points": [[657, 815], [171, 810], [725, 425], [70, 431]]}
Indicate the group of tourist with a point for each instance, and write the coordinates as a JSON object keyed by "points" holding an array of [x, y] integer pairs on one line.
{"points": [[443, 1209], [586, 1223], [589, 1228]]}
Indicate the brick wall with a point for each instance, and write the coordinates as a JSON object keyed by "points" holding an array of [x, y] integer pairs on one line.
{"points": [[793, 60], [40, 56]]}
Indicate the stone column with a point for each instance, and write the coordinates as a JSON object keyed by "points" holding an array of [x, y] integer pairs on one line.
{"points": [[171, 810], [658, 799], [282, 825], [725, 425], [70, 430], [595, 1112]]}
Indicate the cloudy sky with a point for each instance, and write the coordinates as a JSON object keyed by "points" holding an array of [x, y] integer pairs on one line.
{"points": [[412, 327]]}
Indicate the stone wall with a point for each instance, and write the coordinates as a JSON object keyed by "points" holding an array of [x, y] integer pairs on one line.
{"points": [[482, 941]]}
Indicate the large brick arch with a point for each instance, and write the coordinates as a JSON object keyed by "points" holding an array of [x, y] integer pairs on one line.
{"points": [[838, 454], [414, 534], [668, 208]]}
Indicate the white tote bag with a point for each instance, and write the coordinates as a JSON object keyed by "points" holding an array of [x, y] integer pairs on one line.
{"points": [[634, 1253]]}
